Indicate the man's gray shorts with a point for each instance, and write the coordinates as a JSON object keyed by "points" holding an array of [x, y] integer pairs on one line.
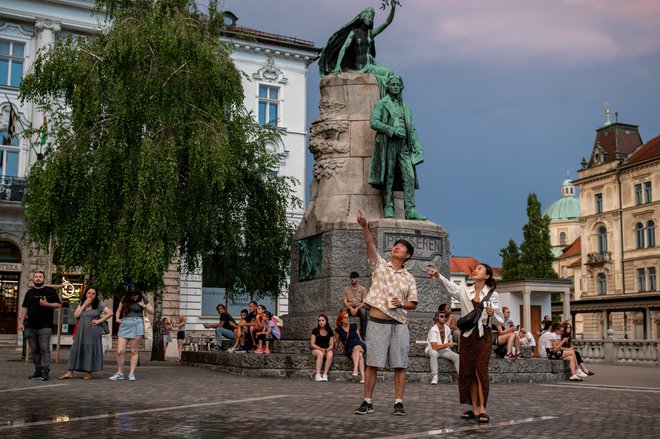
{"points": [[387, 341]]}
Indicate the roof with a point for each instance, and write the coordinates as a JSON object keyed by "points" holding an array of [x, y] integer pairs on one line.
{"points": [[567, 207], [617, 141], [576, 264], [574, 249], [245, 33], [466, 265], [650, 150]]}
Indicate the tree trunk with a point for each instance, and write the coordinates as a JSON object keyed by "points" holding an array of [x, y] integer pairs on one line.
{"points": [[157, 348]]}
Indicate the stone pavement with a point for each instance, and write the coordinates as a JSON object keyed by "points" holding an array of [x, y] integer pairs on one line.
{"points": [[171, 400]]}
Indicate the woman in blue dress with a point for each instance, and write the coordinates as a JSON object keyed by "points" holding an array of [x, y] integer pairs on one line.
{"points": [[354, 346]]}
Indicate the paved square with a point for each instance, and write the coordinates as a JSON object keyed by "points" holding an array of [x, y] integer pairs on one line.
{"points": [[170, 400]]}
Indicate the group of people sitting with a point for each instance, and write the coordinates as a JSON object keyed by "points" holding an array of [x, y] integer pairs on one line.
{"points": [[556, 341], [255, 332]]}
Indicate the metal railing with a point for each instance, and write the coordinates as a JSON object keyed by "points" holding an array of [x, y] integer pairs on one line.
{"points": [[637, 352], [12, 188]]}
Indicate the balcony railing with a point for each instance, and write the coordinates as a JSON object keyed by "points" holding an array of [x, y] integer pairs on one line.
{"points": [[619, 351], [598, 258], [12, 188]]}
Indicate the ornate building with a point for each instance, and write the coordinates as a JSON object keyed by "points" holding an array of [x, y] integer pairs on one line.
{"points": [[616, 275], [275, 84]]}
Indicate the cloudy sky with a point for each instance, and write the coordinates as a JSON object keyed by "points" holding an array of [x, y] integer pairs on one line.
{"points": [[506, 94]]}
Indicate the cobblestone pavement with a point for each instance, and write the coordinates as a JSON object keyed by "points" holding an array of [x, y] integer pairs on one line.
{"points": [[170, 400]]}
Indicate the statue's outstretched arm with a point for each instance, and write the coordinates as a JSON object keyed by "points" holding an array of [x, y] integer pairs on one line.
{"points": [[387, 21], [342, 51]]}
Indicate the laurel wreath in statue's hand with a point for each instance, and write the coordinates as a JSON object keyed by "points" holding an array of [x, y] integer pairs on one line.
{"points": [[386, 3]]}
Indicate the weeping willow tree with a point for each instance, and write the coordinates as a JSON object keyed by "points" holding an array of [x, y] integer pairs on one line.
{"points": [[152, 155]]}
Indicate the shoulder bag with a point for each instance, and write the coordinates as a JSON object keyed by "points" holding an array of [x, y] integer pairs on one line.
{"points": [[471, 319]]}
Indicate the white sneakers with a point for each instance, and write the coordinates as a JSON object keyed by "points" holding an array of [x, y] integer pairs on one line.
{"points": [[325, 377], [319, 377], [575, 378], [434, 380], [118, 376], [131, 377], [581, 374]]}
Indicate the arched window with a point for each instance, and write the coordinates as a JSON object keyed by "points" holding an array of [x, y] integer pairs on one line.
{"points": [[562, 238], [639, 235], [602, 240], [650, 234], [9, 252], [602, 283]]}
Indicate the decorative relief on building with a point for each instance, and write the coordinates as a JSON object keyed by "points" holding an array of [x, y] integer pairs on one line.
{"points": [[270, 73], [330, 107], [45, 24], [328, 148]]}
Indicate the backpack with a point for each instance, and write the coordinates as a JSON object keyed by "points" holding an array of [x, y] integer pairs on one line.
{"points": [[278, 321]]}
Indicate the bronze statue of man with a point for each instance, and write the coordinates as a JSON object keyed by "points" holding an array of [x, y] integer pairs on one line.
{"points": [[397, 150]]}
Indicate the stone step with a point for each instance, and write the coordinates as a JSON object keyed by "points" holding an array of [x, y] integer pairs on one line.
{"points": [[303, 365]]}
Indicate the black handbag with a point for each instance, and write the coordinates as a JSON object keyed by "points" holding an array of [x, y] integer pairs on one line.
{"points": [[471, 319], [103, 326]]}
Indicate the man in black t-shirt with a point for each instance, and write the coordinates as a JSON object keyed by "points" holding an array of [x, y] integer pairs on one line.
{"points": [[38, 305], [224, 327]]}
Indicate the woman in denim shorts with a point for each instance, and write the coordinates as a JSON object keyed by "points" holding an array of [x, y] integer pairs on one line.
{"points": [[131, 328]]}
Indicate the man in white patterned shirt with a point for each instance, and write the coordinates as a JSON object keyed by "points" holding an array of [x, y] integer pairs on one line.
{"points": [[392, 294]]}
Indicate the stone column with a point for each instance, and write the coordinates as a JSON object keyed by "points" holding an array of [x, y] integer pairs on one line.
{"points": [[647, 323], [527, 312], [567, 304], [46, 31]]}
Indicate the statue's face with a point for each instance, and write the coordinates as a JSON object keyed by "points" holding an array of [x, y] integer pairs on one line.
{"points": [[368, 17], [394, 87]]}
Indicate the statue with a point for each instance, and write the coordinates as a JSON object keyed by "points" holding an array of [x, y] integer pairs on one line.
{"points": [[397, 150], [352, 48]]}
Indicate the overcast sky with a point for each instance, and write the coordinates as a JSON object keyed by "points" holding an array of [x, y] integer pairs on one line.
{"points": [[506, 94]]}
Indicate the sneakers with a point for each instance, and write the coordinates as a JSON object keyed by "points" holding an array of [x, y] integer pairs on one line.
{"points": [[266, 351], [131, 377], [581, 374], [434, 380], [398, 409], [36, 375], [231, 349], [325, 377], [44, 375], [259, 351], [118, 376], [575, 378], [318, 377], [365, 408], [240, 349], [520, 355], [509, 356]]}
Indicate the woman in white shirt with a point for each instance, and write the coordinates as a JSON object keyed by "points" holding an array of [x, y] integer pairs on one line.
{"points": [[473, 378]]}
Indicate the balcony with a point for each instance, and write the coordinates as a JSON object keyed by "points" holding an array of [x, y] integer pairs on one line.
{"points": [[12, 188], [594, 259]]}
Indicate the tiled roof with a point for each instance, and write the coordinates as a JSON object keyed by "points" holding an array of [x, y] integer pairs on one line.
{"points": [[576, 264], [618, 137], [574, 249], [649, 150]]}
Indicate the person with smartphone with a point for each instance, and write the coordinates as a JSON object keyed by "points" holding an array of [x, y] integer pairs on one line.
{"points": [[473, 376], [38, 307]]}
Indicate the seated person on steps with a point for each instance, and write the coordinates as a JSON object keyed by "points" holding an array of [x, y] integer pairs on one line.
{"points": [[505, 334], [439, 345]]}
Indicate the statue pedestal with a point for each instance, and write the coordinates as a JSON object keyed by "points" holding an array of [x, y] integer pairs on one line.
{"points": [[328, 244]]}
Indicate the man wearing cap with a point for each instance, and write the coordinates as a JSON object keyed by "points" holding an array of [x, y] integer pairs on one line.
{"points": [[353, 299], [439, 344], [392, 294]]}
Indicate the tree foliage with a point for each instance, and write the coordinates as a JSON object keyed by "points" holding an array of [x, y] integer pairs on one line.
{"points": [[534, 256], [152, 155]]}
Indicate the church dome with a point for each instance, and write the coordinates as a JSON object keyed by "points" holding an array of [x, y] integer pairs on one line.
{"points": [[567, 207]]}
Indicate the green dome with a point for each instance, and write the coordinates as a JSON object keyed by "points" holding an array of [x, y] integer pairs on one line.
{"points": [[567, 207]]}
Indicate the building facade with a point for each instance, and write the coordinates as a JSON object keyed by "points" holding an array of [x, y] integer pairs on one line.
{"points": [[275, 83], [619, 259]]}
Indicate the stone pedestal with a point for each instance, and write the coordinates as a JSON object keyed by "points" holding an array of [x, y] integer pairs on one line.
{"points": [[328, 244]]}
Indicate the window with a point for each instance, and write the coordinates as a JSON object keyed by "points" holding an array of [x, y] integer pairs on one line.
{"points": [[602, 283], [652, 285], [639, 235], [11, 63], [8, 155], [638, 194], [268, 105], [641, 279], [650, 234], [562, 238], [599, 203], [647, 192], [602, 240]]}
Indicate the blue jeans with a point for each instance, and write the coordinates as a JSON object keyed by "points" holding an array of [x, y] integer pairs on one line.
{"points": [[39, 340], [223, 332]]}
